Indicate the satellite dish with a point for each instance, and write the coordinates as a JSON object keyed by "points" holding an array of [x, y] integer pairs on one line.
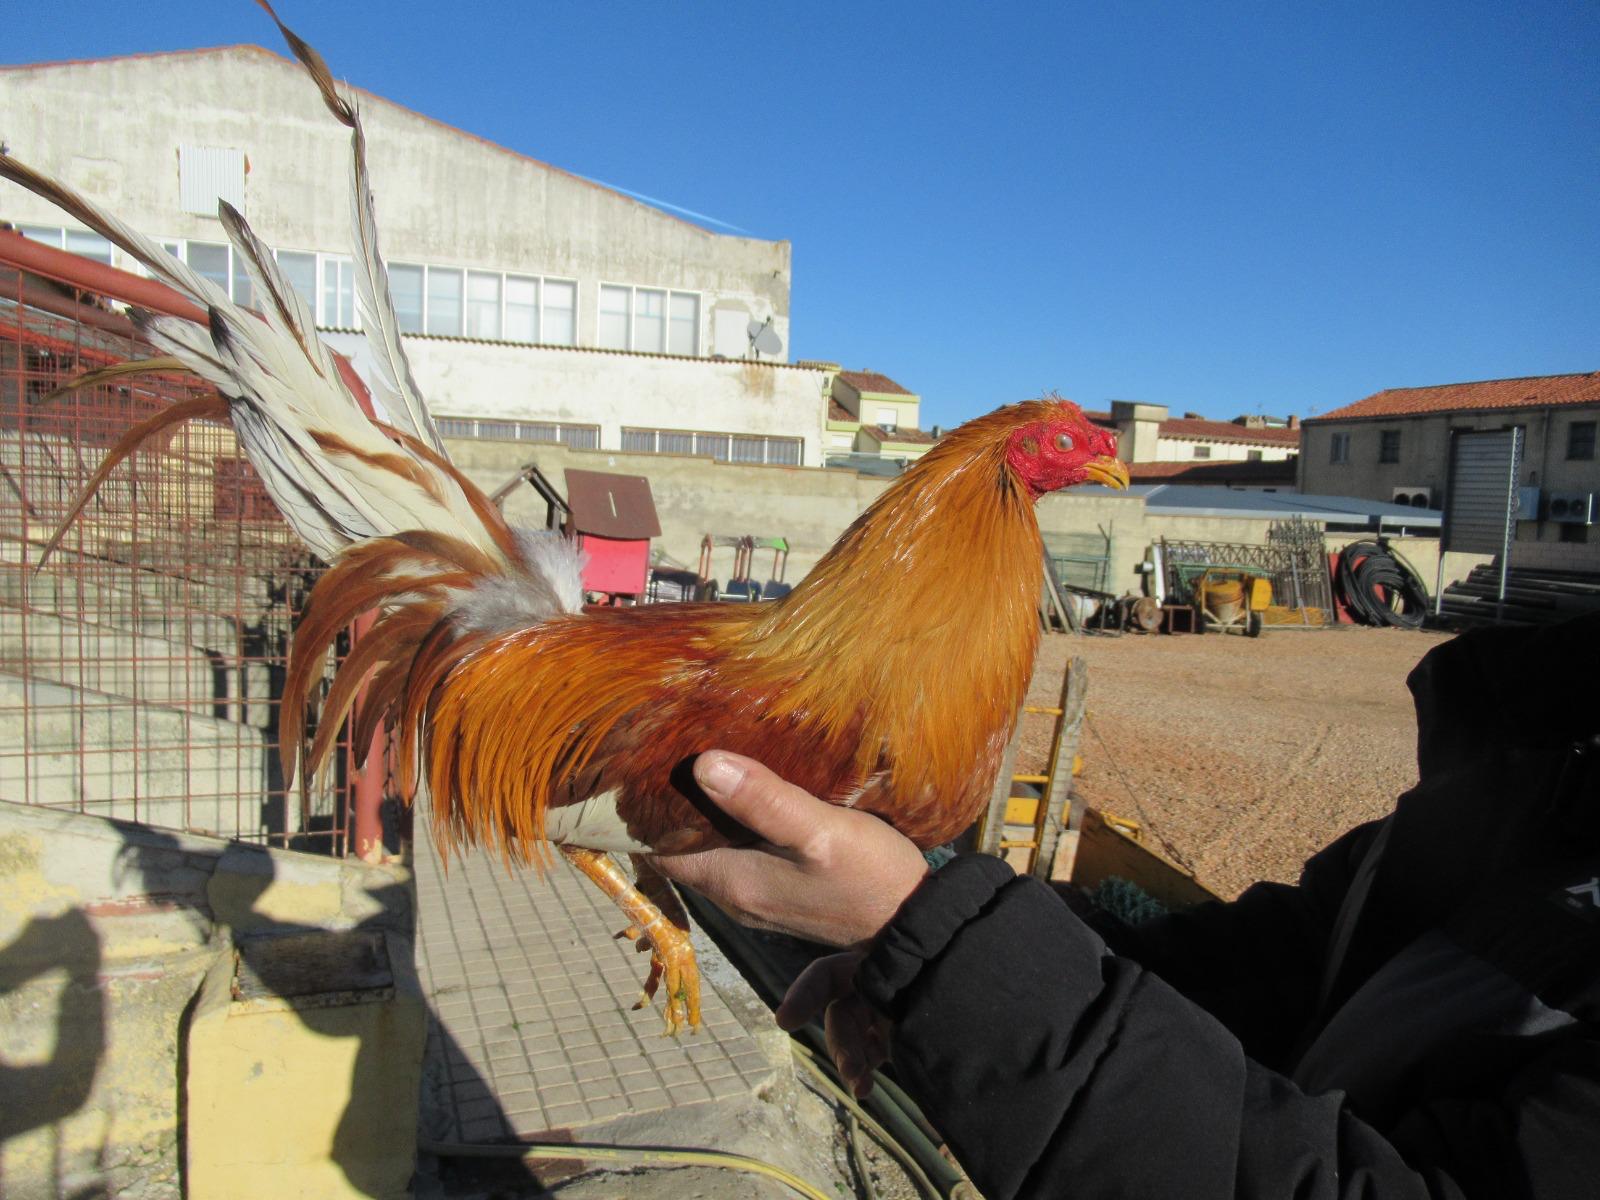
{"points": [[764, 338]]}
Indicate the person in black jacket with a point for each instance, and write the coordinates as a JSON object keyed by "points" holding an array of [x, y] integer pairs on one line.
{"points": [[1419, 1017]]}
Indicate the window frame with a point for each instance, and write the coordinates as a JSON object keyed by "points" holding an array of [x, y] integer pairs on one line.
{"points": [[1574, 445], [574, 435], [1389, 443], [704, 445], [1339, 449], [631, 317]]}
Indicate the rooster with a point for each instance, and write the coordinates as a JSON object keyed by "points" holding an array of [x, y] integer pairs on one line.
{"points": [[888, 680]]}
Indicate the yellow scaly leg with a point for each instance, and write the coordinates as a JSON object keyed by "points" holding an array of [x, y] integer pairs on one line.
{"points": [[658, 921]]}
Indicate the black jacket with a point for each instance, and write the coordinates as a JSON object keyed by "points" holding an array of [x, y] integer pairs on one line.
{"points": [[1420, 1016]]}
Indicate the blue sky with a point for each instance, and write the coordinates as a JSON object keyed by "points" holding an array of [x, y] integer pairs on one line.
{"points": [[1225, 208]]}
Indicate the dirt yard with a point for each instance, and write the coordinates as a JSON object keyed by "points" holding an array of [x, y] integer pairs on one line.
{"points": [[1240, 757]]}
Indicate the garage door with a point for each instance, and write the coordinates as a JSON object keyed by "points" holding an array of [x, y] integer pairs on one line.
{"points": [[1483, 475]]}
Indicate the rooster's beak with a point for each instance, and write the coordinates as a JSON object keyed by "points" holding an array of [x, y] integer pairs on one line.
{"points": [[1108, 470]]}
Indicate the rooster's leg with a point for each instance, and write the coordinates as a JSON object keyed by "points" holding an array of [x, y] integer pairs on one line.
{"points": [[656, 918]]}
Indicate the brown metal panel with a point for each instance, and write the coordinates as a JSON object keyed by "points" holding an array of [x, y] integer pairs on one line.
{"points": [[612, 506]]}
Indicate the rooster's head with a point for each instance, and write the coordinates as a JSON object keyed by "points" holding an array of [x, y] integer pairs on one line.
{"points": [[1052, 445]]}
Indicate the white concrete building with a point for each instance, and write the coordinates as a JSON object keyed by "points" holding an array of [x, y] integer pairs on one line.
{"points": [[537, 305]]}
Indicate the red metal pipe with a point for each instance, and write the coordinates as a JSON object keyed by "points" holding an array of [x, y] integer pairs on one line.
{"points": [[96, 277]]}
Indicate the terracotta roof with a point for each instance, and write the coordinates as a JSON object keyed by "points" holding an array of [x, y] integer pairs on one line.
{"points": [[1102, 419], [915, 437], [838, 412], [871, 381], [1530, 391], [1226, 471], [1227, 431]]}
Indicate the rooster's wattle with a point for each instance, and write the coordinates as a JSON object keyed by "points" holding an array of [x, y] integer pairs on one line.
{"points": [[889, 679]]}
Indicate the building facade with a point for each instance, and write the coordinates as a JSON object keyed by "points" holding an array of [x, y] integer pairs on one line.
{"points": [[873, 422], [1400, 443], [533, 302]]}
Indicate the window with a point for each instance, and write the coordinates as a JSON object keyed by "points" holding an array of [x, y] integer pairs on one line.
{"points": [[522, 309], [215, 262], [1580, 441], [649, 320], [684, 334], [1252, 456], [483, 305], [888, 420], [405, 287], [1339, 448], [615, 314], [1389, 445], [1202, 451], [576, 437], [443, 315], [724, 447], [338, 294], [77, 241], [300, 269], [559, 314], [1572, 532]]}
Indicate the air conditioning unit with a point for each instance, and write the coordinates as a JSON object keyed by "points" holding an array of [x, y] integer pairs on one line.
{"points": [[1573, 508], [1415, 497]]}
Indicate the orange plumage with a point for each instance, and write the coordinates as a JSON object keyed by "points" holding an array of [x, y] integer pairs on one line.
{"points": [[888, 679]]}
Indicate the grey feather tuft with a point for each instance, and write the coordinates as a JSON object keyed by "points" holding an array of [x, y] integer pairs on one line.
{"points": [[548, 581]]}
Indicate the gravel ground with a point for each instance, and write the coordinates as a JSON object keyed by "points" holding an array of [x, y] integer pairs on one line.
{"points": [[1240, 757]]}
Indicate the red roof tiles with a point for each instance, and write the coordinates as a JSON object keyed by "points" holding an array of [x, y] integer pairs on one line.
{"points": [[1223, 472], [871, 381], [903, 434], [1227, 431], [1532, 391]]}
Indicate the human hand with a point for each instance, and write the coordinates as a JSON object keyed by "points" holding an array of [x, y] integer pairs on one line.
{"points": [[856, 1033], [822, 872]]}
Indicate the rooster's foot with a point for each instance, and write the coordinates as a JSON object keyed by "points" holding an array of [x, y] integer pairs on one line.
{"points": [[658, 923]]}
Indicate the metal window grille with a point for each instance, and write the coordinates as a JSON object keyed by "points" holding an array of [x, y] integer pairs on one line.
{"points": [[141, 666]]}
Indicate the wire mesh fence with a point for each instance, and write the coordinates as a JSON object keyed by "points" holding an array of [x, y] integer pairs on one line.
{"points": [[141, 665]]}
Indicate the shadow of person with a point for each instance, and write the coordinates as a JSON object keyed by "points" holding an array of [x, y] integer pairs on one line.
{"points": [[43, 1093]]}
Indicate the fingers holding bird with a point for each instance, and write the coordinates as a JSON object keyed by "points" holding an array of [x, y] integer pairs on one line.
{"points": [[821, 872]]}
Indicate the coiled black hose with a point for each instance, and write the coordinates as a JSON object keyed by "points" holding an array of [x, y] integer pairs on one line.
{"points": [[1378, 588]]}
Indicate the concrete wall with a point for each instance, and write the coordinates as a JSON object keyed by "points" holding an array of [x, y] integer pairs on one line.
{"points": [[443, 196], [810, 508], [531, 383], [1425, 462], [108, 932]]}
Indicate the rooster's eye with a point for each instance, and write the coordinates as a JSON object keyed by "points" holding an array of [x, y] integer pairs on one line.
{"points": [[1063, 441]]}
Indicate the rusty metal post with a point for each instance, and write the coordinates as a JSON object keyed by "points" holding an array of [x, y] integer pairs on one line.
{"points": [[368, 800]]}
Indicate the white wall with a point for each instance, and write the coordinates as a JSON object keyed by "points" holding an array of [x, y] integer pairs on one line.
{"points": [[612, 390], [111, 128]]}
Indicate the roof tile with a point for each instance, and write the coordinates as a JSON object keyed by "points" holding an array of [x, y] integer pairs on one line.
{"points": [[872, 381], [1532, 391]]}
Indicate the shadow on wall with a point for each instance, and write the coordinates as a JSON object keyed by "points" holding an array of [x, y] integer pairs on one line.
{"points": [[180, 1015]]}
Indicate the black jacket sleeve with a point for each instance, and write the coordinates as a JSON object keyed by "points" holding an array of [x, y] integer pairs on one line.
{"points": [[1056, 1068], [1255, 963]]}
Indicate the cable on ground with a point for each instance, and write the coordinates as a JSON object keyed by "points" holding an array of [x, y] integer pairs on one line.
{"points": [[1378, 588]]}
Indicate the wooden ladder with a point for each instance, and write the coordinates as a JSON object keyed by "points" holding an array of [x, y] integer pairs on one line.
{"points": [[1054, 819]]}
